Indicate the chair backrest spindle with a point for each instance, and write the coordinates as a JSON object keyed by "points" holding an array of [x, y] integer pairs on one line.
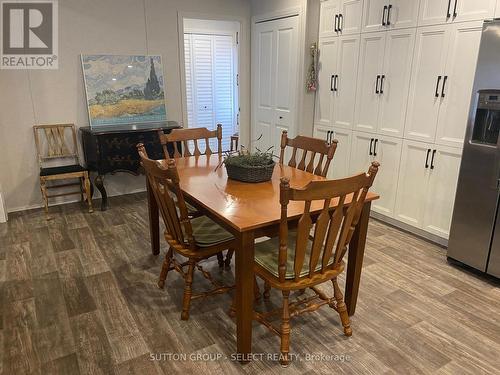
{"points": [[193, 135]]}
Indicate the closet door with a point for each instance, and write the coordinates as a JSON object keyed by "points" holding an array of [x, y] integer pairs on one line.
{"points": [[427, 77], [434, 12], [397, 70], [361, 152], [459, 73], [368, 95], [344, 94], [327, 66], [403, 13], [327, 22], [467, 10], [339, 168], [373, 12], [350, 13]]}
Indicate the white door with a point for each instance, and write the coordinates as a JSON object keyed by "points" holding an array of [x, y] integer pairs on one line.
{"points": [[362, 147], [371, 59], [339, 168], [327, 67], [441, 190], [402, 13], [412, 183], [373, 12], [434, 12], [329, 18], [427, 77], [345, 84], [387, 151], [275, 75], [459, 73], [350, 13], [467, 10], [397, 71]]}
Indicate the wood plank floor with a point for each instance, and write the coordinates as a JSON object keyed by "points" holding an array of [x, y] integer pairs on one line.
{"points": [[78, 295]]}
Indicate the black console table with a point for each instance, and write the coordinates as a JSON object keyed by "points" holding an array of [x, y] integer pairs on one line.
{"points": [[111, 149]]}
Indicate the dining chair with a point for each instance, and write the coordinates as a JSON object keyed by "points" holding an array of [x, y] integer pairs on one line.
{"points": [[194, 135], [294, 261], [57, 151], [314, 147], [196, 238]]}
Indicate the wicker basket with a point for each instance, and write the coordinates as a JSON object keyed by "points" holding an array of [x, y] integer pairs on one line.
{"points": [[250, 173]]}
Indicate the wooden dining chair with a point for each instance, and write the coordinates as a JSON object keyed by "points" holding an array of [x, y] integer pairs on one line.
{"points": [[195, 135], [57, 150], [196, 238], [312, 146], [294, 261]]}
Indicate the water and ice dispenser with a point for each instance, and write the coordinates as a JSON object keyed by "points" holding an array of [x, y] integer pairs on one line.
{"points": [[487, 123]]}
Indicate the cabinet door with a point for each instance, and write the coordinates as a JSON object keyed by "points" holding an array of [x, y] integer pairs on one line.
{"points": [[441, 190], [397, 70], [403, 13], [370, 70], [460, 69], [347, 69], [350, 12], [424, 99], [339, 167], [434, 12], [321, 132], [373, 11], [326, 69], [387, 151], [412, 183], [361, 152], [329, 9], [476, 10]]}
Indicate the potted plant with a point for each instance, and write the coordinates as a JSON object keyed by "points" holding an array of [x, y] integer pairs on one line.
{"points": [[250, 166]]}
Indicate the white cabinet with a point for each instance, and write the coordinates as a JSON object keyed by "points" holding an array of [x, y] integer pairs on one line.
{"points": [[433, 12], [383, 81], [361, 152], [443, 72], [326, 70], [340, 17], [389, 14], [339, 167]]}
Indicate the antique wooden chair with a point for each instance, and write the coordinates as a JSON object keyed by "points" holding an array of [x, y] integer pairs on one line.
{"points": [[194, 135], [310, 145], [194, 238], [59, 143], [294, 261]]}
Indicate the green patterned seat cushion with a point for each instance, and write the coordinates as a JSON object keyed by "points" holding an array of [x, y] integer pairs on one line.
{"points": [[190, 208], [266, 255], [207, 232]]}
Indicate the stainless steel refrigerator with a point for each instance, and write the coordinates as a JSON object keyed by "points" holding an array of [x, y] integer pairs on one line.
{"points": [[475, 229]]}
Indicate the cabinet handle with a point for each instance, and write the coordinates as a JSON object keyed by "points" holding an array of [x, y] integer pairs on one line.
{"points": [[437, 87], [455, 9], [427, 158], [375, 147], [376, 85], [341, 25], [444, 84], [371, 144], [432, 159], [331, 82], [328, 136], [382, 84], [335, 82], [336, 20], [383, 15], [389, 15], [448, 14]]}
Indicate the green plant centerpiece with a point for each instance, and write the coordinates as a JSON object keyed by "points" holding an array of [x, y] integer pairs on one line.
{"points": [[250, 166]]}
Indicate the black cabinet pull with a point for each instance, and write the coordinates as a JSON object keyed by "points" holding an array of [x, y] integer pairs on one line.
{"points": [[444, 84], [328, 137], [371, 145], [375, 147], [437, 87], [432, 159], [455, 9], [335, 82], [335, 25], [376, 85], [427, 158], [341, 25], [382, 84], [448, 14], [389, 15], [383, 15], [331, 82]]}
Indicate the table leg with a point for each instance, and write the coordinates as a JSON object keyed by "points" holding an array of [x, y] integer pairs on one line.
{"points": [[244, 293], [99, 183], [154, 221], [355, 260]]}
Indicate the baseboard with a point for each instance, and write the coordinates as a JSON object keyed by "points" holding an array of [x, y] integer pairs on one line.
{"points": [[3, 210], [408, 228]]}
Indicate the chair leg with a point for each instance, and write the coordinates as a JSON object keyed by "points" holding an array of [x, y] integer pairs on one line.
{"points": [[165, 268], [285, 330], [82, 188], [267, 289], [43, 188], [220, 259], [88, 192], [256, 290], [229, 256], [188, 290], [342, 308]]}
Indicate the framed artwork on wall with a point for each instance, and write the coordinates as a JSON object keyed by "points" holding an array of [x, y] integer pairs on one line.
{"points": [[123, 89]]}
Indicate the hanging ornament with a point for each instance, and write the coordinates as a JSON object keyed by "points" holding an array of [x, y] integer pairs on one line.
{"points": [[312, 78]]}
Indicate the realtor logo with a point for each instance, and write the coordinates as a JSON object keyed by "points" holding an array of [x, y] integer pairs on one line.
{"points": [[29, 35]]}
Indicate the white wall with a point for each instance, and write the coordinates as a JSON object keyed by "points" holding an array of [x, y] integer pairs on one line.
{"points": [[98, 26]]}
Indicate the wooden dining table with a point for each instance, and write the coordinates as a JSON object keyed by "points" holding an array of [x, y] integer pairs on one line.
{"points": [[250, 211]]}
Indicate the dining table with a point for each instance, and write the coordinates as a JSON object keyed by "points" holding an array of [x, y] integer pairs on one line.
{"points": [[250, 211]]}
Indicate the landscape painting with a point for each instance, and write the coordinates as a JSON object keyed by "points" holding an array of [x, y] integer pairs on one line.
{"points": [[124, 89]]}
